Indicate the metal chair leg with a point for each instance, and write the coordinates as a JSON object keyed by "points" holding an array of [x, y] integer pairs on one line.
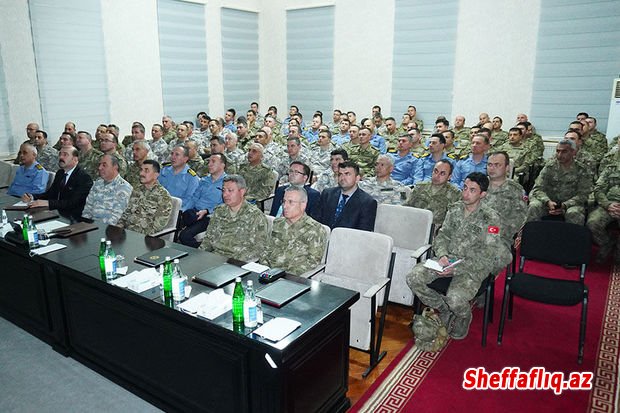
{"points": [[582, 326]]}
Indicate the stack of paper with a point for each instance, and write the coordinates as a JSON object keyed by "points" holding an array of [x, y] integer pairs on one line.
{"points": [[139, 281], [277, 328], [208, 305]]}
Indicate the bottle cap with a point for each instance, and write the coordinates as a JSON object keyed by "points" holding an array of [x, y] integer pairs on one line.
{"points": [[176, 261], [238, 279], [102, 239], [167, 258], [108, 242], [250, 283]]}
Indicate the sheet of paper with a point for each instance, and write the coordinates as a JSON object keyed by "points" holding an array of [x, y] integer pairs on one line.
{"points": [[20, 204], [49, 248], [277, 328], [255, 267], [49, 226], [139, 281], [208, 305], [433, 265], [5, 228]]}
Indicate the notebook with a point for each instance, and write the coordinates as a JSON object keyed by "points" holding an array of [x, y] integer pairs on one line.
{"points": [[281, 292], [220, 275], [158, 257]]}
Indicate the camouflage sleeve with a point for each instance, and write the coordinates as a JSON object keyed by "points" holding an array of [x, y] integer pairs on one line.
{"points": [[441, 243], [537, 192], [212, 231], [266, 185], [601, 188], [257, 238], [161, 218], [584, 188]]}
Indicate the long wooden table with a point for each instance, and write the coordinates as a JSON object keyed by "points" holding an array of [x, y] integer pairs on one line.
{"points": [[174, 360]]}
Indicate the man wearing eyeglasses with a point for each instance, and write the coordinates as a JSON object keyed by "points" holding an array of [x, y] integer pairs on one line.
{"points": [[298, 174]]}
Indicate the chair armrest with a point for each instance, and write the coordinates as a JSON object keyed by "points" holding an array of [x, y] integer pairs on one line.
{"points": [[420, 251], [164, 231], [314, 271], [374, 289]]}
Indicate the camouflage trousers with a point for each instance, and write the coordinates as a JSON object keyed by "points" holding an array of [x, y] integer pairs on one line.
{"points": [[536, 210], [598, 220], [462, 290]]}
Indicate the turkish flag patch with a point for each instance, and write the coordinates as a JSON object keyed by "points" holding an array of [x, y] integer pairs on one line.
{"points": [[493, 229]]}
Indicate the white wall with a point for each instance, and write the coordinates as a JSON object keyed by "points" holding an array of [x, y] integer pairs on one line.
{"points": [[19, 71], [495, 57], [132, 59]]}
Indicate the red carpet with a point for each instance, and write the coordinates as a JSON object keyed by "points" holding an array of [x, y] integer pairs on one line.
{"points": [[537, 336]]}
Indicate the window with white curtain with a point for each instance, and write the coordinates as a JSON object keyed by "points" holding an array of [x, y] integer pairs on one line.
{"points": [[310, 59], [183, 58], [424, 55], [577, 58], [240, 58], [70, 63]]}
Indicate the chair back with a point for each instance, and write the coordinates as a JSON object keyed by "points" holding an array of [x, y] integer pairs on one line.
{"points": [[50, 179], [270, 220], [358, 254], [172, 219], [409, 227], [556, 242]]}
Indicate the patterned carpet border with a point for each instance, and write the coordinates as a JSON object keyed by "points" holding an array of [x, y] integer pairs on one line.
{"points": [[398, 388], [604, 395]]}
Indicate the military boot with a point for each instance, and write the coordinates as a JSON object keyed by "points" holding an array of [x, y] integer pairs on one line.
{"points": [[460, 326]]}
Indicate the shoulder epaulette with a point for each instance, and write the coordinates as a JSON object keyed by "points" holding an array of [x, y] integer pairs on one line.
{"points": [[425, 155], [461, 157], [192, 172], [166, 164], [39, 167]]}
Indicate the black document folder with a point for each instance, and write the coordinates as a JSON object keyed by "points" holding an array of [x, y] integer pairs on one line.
{"points": [[158, 257], [281, 292], [220, 275]]}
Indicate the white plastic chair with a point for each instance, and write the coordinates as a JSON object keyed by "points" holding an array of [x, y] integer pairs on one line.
{"points": [[169, 232], [361, 261], [411, 229]]}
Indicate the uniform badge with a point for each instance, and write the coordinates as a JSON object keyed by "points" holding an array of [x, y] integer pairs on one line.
{"points": [[492, 229]]}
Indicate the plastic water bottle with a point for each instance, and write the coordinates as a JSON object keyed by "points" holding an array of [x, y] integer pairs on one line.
{"points": [[102, 248], [167, 279], [109, 260], [179, 281], [249, 306], [237, 302], [33, 234], [5, 219]]}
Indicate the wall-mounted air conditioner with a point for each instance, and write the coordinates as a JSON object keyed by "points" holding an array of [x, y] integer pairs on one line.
{"points": [[613, 124]]}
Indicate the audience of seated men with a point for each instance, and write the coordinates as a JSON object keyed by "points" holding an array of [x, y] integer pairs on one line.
{"points": [[347, 205], [237, 229], [297, 241], [30, 177], [70, 188], [437, 194], [298, 175], [473, 233], [109, 195], [203, 201], [178, 178], [150, 205]]}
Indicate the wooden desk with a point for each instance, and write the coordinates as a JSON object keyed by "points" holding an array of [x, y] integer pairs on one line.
{"points": [[177, 361]]}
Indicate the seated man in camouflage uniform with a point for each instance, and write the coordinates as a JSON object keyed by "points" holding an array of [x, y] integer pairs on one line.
{"points": [[149, 206], [109, 146], [237, 228], [46, 155], [89, 156], [140, 154], [562, 188], [437, 195], [382, 187], [259, 178], [109, 195], [158, 145], [297, 241], [471, 232], [364, 154], [607, 195], [329, 179]]}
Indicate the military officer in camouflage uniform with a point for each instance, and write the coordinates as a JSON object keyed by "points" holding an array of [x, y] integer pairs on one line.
{"points": [[607, 195], [140, 152], [46, 155], [321, 152], [275, 134], [293, 153], [329, 179], [272, 151], [562, 188], [471, 232], [498, 136], [109, 195], [109, 145], [149, 207], [505, 196], [533, 142], [522, 159], [237, 228], [233, 153], [391, 134], [169, 128], [89, 156], [354, 138], [437, 195], [382, 187], [297, 242], [158, 145], [259, 178], [461, 132], [582, 156], [364, 154], [412, 111], [598, 140], [137, 134], [195, 160], [594, 146]]}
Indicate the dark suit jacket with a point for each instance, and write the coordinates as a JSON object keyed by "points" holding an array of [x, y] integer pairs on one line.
{"points": [[71, 199], [311, 207], [359, 212]]}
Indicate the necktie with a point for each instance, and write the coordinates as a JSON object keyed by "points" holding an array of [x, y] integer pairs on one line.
{"points": [[340, 206]]}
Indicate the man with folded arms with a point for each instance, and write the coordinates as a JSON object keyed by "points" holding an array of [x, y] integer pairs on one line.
{"points": [[297, 241], [149, 206]]}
